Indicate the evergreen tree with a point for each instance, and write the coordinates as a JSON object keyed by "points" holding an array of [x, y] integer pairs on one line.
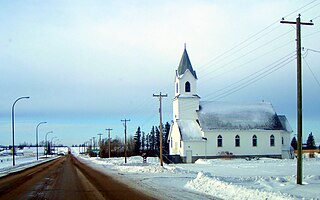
{"points": [[147, 142], [157, 139], [137, 141], [310, 142], [143, 141], [165, 138], [294, 143], [152, 139]]}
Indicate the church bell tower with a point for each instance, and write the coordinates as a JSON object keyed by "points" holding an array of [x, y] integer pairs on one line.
{"points": [[186, 100]]}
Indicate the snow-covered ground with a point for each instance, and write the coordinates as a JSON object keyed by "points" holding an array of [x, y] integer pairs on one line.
{"points": [[26, 158], [215, 179]]}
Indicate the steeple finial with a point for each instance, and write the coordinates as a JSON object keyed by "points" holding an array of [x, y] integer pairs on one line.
{"points": [[185, 46]]}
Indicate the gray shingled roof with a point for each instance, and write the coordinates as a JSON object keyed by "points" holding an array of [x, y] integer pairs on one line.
{"points": [[236, 116], [185, 64]]}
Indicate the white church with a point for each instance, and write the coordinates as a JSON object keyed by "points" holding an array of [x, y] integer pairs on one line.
{"points": [[203, 129]]}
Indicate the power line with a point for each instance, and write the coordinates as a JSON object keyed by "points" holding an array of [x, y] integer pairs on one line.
{"points": [[248, 53], [314, 76], [254, 59], [252, 80], [252, 36], [248, 81], [266, 69]]}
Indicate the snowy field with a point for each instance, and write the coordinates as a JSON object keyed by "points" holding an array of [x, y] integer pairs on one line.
{"points": [[216, 179], [23, 160]]}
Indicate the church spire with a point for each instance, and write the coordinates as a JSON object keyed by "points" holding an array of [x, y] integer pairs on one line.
{"points": [[185, 64]]}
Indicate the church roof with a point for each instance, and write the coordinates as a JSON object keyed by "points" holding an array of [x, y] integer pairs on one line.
{"points": [[185, 64], [189, 130], [237, 116], [285, 123]]}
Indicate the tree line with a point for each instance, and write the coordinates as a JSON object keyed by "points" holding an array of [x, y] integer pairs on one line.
{"points": [[310, 143], [140, 142]]}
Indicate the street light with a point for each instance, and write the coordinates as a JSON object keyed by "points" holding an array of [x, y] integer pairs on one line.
{"points": [[12, 115], [47, 142], [37, 138]]}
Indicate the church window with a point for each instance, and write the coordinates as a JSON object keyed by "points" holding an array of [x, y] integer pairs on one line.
{"points": [[177, 88], [237, 141], [254, 140], [282, 140], [187, 87], [219, 141], [272, 140]]}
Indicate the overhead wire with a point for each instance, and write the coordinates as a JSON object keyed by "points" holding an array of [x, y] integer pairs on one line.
{"points": [[224, 56], [254, 59], [252, 36], [250, 52], [305, 61], [249, 82], [250, 79], [263, 70], [314, 76]]}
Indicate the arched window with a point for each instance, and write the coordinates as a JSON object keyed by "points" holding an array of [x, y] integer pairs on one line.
{"points": [[254, 140], [237, 141], [177, 88], [187, 87], [282, 140], [219, 141], [272, 140]]}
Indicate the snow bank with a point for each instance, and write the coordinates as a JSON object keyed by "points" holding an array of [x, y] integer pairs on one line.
{"points": [[227, 190], [264, 178]]}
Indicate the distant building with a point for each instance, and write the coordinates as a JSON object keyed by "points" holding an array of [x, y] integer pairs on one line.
{"points": [[219, 129]]}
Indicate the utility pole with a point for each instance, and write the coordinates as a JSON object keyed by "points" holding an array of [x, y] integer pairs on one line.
{"points": [[109, 147], [298, 24], [94, 143], [100, 138], [125, 138], [160, 111]]}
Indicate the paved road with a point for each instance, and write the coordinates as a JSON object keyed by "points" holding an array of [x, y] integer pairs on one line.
{"points": [[65, 178]]}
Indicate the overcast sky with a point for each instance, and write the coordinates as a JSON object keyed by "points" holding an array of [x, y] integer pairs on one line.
{"points": [[88, 64]]}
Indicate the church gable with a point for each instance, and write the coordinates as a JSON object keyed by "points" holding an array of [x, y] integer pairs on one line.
{"points": [[222, 115]]}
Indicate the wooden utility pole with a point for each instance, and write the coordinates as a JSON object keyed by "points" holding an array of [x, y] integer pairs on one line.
{"points": [[298, 24], [109, 147], [125, 138], [160, 111], [94, 143], [99, 143], [100, 138]]}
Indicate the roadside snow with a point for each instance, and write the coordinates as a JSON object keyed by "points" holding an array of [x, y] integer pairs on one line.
{"points": [[215, 179]]}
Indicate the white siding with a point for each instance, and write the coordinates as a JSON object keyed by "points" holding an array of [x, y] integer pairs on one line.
{"points": [[174, 146], [246, 148]]}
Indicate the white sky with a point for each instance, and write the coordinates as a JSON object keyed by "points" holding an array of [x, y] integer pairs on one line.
{"points": [[88, 64]]}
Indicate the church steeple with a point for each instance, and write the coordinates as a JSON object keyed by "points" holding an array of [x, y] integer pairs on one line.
{"points": [[186, 100], [185, 64]]}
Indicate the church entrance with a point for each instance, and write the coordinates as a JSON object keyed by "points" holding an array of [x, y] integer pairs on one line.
{"points": [[189, 156]]}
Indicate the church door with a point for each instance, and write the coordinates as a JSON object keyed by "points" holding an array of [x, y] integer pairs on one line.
{"points": [[189, 156]]}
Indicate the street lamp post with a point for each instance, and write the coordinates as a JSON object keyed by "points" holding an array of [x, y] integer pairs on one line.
{"points": [[12, 115], [37, 138], [47, 142]]}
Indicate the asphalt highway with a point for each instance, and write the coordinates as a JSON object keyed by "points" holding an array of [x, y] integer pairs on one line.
{"points": [[65, 178]]}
